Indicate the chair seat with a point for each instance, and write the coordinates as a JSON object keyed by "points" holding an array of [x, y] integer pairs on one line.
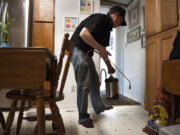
{"points": [[30, 95]]}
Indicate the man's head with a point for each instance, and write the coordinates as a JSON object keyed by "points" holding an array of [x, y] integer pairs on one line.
{"points": [[117, 14]]}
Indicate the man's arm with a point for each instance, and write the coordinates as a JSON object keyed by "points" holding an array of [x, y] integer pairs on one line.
{"points": [[89, 39]]}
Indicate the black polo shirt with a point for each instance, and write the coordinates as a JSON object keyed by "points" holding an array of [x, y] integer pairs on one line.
{"points": [[99, 25]]}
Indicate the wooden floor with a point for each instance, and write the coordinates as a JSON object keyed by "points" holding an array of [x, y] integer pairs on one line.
{"points": [[122, 120]]}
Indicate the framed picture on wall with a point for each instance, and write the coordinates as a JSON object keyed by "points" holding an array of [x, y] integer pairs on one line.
{"points": [[70, 23], [143, 16], [86, 6], [133, 13], [143, 41], [134, 35]]}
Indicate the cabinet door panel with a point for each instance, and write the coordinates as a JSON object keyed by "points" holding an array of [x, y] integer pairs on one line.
{"points": [[168, 14], [43, 34], [44, 10], [152, 57], [160, 16], [152, 18]]}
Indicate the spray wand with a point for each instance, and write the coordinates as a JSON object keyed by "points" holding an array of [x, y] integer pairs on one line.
{"points": [[121, 74], [87, 56]]}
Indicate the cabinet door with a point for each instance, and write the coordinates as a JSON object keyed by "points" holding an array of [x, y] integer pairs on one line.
{"points": [[44, 10], [160, 15], [169, 14], [43, 34], [152, 72], [152, 19]]}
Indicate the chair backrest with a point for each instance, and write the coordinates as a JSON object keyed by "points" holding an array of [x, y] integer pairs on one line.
{"points": [[171, 76], [22, 68], [66, 49]]}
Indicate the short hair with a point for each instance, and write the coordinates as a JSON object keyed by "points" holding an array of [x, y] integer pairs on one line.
{"points": [[118, 9]]}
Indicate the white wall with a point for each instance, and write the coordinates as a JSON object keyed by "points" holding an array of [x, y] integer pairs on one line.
{"points": [[119, 61], [130, 59], [133, 61], [69, 8]]}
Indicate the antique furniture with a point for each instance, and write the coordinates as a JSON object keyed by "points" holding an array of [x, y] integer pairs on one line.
{"points": [[24, 69], [51, 96], [171, 82], [2, 121], [161, 28]]}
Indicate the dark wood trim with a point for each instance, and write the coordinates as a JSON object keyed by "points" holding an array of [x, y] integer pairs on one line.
{"points": [[111, 3]]}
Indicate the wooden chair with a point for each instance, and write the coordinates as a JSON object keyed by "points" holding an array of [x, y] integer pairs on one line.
{"points": [[2, 121], [56, 95], [23, 69], [171, 82]]}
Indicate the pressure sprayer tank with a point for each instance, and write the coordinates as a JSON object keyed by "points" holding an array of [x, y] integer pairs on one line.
{"points": [[112, 88]]}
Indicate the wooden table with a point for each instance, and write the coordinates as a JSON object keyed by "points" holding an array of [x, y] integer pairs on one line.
{"points": [[28, 68]]}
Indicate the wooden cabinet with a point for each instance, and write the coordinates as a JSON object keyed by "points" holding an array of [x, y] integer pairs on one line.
{"points": [[43, 35], [160, 15], [44, 10], [169, 14], [158, 49], [43, 24], [151, 18], [162, 25]]}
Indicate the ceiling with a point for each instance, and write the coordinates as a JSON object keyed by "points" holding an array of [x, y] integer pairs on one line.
{"points": [[115, 2]]}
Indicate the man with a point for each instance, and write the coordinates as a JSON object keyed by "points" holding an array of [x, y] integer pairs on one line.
{"points": [[93, 33]]}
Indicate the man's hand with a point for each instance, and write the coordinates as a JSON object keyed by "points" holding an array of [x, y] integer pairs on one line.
{"points": [[104, 53], [111, 69]]}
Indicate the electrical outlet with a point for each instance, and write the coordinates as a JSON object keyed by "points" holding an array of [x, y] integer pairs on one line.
{"points": [[73, 88]]}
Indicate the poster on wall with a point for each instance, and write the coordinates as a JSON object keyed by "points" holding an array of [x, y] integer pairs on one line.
{"points": [[86, 6], [70, 23]]}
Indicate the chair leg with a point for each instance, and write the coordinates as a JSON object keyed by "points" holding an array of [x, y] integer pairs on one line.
{"points": [[40, 113], [172, 117], [35, 130], [57, 119], [10, 118], [2, 121], [20, 117]]}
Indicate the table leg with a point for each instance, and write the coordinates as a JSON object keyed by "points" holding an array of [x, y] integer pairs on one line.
{"points": [[40, 113]]}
